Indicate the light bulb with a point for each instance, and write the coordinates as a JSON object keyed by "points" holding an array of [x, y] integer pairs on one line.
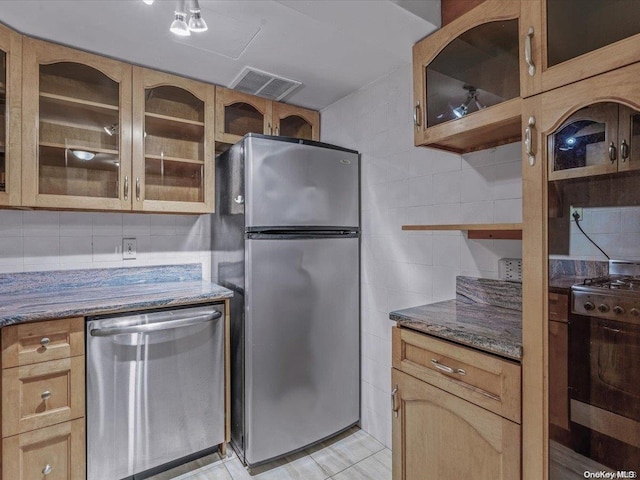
{"points": [[148, 2], [179, 26], [196, 22]]}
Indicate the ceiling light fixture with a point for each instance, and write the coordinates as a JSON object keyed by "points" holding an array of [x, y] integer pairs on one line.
{"points": [[83, 154], [196, 22], [179, 25], [148, 2], [472, 95], [112, 129]]}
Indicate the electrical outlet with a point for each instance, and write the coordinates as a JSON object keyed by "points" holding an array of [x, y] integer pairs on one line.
{"points": [[128, 248], [577, 210]]}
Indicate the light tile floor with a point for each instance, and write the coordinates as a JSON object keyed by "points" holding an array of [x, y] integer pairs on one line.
{"points": [[352, 455]]}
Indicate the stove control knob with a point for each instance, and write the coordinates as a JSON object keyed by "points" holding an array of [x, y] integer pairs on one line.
{"points": [[635, 312], [588, 306], [603, 308], [618, 310]]}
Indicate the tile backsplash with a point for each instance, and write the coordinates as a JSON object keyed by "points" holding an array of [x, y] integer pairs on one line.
{"points": [[43, 240], [615, 229]]}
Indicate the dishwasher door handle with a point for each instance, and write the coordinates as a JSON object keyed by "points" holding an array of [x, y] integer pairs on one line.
{"points": [[156, 326]]}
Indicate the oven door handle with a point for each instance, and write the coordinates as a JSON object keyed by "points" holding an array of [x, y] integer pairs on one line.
{"points": [[155, 326]]}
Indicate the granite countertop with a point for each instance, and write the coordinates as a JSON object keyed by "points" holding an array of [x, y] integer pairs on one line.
{"points": [[26, 297], [485, 315]]}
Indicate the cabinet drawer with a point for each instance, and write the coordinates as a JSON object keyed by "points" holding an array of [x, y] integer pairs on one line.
{"points": [[558, 307], [480, 378], [42, 394], [58, 450], [29, 343]]}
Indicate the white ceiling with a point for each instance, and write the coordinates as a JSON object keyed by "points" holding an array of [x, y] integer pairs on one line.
{"points": [[332, 46]]}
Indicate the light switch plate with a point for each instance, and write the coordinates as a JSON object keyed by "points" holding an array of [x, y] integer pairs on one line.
{"points": [[510, 269], [129, 248]]}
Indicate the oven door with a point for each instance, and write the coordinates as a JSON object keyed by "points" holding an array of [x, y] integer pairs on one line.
{"points": [[604, 385]]}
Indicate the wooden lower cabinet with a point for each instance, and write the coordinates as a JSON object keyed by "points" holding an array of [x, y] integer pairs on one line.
{"points": [[51, 453], [439, 436]]}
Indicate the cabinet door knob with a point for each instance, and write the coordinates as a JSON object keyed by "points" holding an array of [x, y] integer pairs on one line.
{"points": [[527, 52], [46, 395], [239, 199], [528, 141], [47, 469], [44, 341], [394, 395], [624, 150], [416, 114], [612, 152]]}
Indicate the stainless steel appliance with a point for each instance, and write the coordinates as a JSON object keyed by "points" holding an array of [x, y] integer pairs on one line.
{"points": [[155, 389], [604, 367], [286, 240]]}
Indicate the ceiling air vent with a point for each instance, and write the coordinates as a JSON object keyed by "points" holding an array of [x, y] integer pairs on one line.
{"points": [[263, 84]]}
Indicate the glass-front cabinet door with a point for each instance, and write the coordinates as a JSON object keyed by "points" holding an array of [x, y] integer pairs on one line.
{"points": [[467, 80], [581, 36], [239, 113], [296, 122], [173, 143], [10, 109], [76, 129], [581, 204]]}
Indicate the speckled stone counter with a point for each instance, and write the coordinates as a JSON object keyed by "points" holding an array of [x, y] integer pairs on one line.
{"points": [[471, 320], [565, 273], [26, 297]]}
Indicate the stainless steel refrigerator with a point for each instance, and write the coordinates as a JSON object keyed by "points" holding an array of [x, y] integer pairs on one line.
{"points": [[286, 240]]}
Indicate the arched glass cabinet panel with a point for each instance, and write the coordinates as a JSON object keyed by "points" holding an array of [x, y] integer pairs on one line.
{"points": [[242, 118], [476, 70], [174, 145], [78, 131], [597, 139], [295, 126]]}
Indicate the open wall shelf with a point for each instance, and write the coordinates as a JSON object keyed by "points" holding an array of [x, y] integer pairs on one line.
{"points": [[493, 231]]}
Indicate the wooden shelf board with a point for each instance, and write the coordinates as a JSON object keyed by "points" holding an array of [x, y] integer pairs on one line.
{"points": [[174, 159], [170, 118], [169, 127], [501, 231], [80, 147], [55, 98]]}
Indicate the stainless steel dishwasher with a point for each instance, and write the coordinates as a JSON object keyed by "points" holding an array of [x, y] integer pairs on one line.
{"points": [[155, 389]]}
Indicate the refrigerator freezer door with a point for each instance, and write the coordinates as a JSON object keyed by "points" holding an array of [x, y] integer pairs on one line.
{"points": [[302, 343], [296, 185]]}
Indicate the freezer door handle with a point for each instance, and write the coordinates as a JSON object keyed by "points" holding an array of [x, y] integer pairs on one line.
{"points": [[155, 326]]}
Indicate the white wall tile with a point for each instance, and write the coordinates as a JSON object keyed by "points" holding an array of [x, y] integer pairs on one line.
{"points": [[76, 224], [10, 223], [39, 223], [508, 181], [476, 184], [107, 248], [11, 251], [41, 250], [136, 224], [76, 249]]}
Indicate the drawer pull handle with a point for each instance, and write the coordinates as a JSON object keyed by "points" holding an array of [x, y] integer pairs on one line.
{"points": [[394, 395], [44, 341], [447, 369], [47, 469], [46, 395]]}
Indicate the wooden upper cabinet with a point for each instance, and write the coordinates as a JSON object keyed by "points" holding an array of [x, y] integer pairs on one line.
{"points": [[296, 122], [587, 128], [10, 114], [569, 40], [466, 80], [239, 113], [76, 129], [173, 143]]}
